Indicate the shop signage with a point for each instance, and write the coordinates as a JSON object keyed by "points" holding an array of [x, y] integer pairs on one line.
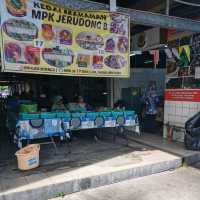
{"points": [[39, 37], [190, 95]]}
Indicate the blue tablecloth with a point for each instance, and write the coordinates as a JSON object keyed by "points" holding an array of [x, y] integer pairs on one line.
{"points": [[41, 127]]}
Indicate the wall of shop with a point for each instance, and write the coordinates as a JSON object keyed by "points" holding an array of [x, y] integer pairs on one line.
{"points": [[140, 77], [176, 113], [182, 95]]}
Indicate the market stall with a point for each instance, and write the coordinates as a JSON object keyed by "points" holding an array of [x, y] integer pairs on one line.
{"points": [[62, 124], [43, 38], [25, 122]]}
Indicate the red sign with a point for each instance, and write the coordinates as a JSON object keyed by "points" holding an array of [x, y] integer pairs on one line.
{"points": [[191, 95]]}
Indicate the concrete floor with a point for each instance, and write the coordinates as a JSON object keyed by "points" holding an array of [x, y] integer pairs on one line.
{"points": [[91, 164], [175, 148], [181, 184]]}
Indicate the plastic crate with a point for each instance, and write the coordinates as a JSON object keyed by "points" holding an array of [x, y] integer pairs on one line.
{"points": [[48, 115], [28, 116]]}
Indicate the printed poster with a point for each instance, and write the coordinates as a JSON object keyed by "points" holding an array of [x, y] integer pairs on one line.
{"points": [[39, 37]]}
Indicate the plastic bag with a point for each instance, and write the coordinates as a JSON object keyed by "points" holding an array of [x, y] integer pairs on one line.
{"points": [[192, 137]]}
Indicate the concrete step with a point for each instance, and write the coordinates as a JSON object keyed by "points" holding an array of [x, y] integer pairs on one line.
{"points": [[176, 148], [130, 162]]}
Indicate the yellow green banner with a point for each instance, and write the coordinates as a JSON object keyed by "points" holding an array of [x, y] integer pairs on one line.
{"points": [[39, 37]]}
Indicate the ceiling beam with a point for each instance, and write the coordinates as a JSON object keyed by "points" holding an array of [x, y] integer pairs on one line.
{"points": [[113, 5], [147, 5], [137, 16], [163, 21]]}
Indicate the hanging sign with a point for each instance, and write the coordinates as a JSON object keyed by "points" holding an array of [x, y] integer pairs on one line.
{"points": [[188, 95], [39, 37]]}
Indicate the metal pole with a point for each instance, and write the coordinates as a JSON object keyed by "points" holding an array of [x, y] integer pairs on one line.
{"points": [[113, 5], [167, 7], [113, 8]]}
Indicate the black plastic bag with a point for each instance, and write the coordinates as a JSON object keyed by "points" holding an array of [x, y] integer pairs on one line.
{"points": [[192, 143], [192, 137]]}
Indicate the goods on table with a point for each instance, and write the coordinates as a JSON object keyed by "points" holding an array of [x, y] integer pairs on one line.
{"points": [[28, 108], [47, 124]]}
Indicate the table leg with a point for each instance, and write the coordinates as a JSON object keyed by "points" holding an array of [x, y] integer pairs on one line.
{"points": [[54, 144]]}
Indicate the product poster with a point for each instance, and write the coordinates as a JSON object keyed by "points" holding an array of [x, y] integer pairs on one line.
{"points": [[39, 37]]}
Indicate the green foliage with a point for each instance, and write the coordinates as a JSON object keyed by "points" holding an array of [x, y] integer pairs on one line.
{"points": [[60, 194]]}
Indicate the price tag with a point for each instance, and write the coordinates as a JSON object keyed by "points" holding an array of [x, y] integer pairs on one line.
{"points": [[38, 43]]}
